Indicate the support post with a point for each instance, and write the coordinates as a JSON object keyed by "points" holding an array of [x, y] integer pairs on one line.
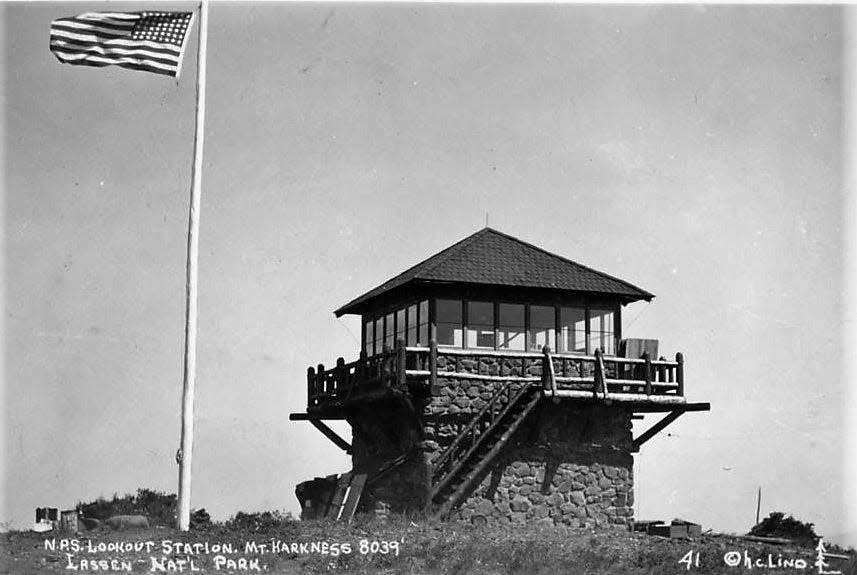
{"points": [[319, 383], [185, 453], [679, 358]]}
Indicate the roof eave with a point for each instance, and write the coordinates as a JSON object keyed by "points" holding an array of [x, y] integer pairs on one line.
{"points": [[355, 306]]}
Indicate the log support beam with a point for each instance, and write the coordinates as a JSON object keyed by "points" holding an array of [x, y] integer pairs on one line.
{"points": [[656, 428], [331, 435]]}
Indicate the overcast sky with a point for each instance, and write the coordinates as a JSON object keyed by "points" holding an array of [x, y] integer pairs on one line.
{"points": [[693, 151]]}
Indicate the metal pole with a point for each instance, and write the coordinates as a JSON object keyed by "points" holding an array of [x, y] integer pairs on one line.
{"points": [[758, 504], [185, 452]]}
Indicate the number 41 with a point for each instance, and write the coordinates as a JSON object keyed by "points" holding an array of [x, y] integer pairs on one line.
{"points": [[691, 558]]}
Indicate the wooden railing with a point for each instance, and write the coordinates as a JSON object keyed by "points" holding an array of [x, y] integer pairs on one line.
{"points": [[569, 375]]}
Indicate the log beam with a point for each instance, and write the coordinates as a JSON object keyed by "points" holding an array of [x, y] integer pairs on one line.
{"points": [[656, 428], [331, 435]]}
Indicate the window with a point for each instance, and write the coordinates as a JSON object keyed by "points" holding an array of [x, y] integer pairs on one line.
{"points": [[572, 330], [423, 331], [412, 325], [542, 327], [601, 333], [389, 334], [369, 337], [379, 334], [448, 320], [511, 327], [400, 325], [480, 324]]}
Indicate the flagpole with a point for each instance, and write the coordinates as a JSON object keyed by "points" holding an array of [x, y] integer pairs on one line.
{"points": [[186, 450]]}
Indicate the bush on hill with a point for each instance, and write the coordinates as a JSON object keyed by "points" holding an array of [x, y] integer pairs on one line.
{"points": [[778, 525]]}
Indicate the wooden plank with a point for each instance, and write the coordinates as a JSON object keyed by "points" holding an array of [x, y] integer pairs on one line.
{"points": [[672, 400], [309, 416], [353, 499], [339, 495], [649, 407]]}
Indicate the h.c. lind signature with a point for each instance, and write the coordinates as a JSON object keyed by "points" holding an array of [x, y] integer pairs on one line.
{"points": [[744, 559]]}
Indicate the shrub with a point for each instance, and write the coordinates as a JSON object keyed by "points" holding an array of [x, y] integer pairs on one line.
{"points": [[778, 525], [259, 521], [159, 507]]}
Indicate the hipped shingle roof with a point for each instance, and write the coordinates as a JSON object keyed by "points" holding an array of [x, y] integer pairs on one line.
{"points": [[490, 257]]}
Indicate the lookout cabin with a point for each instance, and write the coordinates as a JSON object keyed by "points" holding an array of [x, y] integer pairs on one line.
{"points": [[493, 384]]}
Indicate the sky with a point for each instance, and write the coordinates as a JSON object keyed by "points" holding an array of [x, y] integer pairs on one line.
{"points": [[695, 151]]}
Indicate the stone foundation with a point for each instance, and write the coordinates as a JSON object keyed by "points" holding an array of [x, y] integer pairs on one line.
{"points": [[569, 464]]}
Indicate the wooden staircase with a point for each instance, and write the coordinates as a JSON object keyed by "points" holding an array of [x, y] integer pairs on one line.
{"points": [[456, 470]]}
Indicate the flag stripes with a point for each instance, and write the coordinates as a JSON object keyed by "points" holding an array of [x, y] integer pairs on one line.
{"points": [[147, 41]]}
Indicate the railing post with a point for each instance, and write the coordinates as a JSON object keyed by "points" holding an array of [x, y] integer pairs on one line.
{"points": [[648, 370], [320, 386], [679, 358], [310, 387], [433, 365], [401, 364], [360, 372], [341, 380], [600, 384], [548, 375]]}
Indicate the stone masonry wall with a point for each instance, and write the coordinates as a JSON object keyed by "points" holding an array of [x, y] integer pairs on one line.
{"points": [[569, 464], [380, 435]]}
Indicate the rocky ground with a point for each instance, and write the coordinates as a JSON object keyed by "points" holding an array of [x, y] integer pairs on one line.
{"points": [[399, 546]]}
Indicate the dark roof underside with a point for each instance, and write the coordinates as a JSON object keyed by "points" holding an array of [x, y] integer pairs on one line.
{"points": [[490, 257]]}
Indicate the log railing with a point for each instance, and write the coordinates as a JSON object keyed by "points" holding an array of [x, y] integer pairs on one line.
{"points": [[569, 375]]}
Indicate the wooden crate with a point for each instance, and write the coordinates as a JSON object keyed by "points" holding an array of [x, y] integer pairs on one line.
{"points": [[671, 531]]}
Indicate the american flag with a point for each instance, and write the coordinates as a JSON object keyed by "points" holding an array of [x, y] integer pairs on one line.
{"points": [[149, 41]]}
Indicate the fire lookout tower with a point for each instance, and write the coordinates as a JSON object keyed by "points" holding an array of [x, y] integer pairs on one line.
{"points": [[493, 384]]}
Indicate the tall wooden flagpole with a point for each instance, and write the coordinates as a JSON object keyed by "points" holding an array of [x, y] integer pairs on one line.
{"points": [[185, 453]]}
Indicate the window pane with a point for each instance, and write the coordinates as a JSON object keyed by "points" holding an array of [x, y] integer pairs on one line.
{"points": [[542, 327], [449, 325], [572, 325], [480, 324], [601, 333], [412, 325], [511, 327], [369, 336], [400, 325], [389, 335], [423, 335], [379, 334]]}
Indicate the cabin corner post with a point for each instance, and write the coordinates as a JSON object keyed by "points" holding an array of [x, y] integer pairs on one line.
{"points": [[401, 364], [648, 368], [679, 375]]}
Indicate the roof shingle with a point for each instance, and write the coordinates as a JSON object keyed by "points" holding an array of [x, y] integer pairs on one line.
{"points": [[494, 258]]}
